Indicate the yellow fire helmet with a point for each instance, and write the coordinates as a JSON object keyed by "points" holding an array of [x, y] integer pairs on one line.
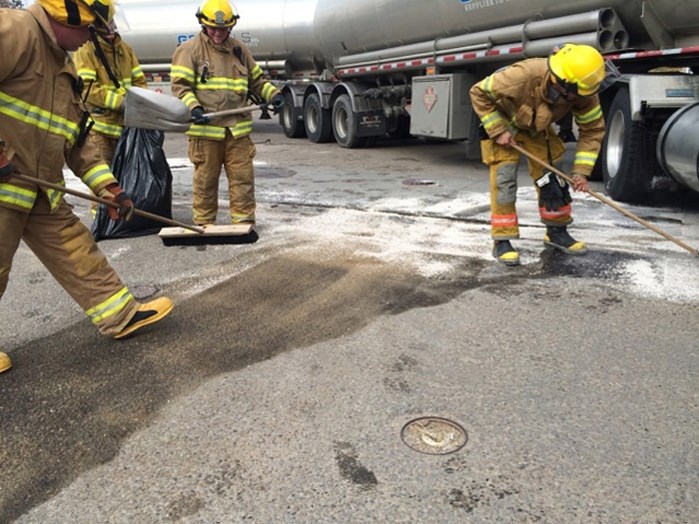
{"points": [[78, 13], [217, 13], [578, 68]]}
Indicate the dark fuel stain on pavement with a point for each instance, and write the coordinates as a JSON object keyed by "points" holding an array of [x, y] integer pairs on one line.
{"points": [[74, 397]]}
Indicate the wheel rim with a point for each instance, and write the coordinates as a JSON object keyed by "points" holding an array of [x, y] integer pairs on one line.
{"points": [[287, 113], [312, 119], [341, 125], [615, 144]]}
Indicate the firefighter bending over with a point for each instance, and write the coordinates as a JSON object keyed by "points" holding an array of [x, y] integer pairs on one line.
{"points": [[212, 72], [519, 104], [41, 127]]}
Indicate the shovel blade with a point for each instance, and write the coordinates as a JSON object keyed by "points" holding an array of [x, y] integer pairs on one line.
{"points": [[145, 109]]}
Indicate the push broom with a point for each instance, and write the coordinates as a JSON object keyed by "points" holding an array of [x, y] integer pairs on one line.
{"points": [[609, 202], [180, 235]]}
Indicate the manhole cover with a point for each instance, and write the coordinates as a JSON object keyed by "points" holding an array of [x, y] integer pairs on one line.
{"points": [[434, 435], [418, 182]]}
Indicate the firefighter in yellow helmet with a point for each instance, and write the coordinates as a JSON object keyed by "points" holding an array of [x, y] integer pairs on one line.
{"points": [[519, 104], [212, 72], [40, 130]]}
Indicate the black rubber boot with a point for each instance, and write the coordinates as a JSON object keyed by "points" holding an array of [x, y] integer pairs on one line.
{"points": [[559, 238], [505, 253]]}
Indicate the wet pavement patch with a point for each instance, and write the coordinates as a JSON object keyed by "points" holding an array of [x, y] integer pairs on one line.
{"points": [[351, 468], [434, 435], [605, 265]]}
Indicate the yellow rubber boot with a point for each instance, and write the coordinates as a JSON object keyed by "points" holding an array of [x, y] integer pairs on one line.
{"points": [[559, 238], [505, 253], [5, 362], [147, 314]]}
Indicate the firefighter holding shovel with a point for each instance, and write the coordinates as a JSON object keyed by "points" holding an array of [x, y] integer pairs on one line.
{"points": [[517, 105], [42, 126]]}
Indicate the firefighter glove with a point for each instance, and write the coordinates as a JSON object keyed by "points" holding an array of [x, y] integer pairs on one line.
{"points": [[554, 192], [114, 193], [198, 116], [277, 102]]}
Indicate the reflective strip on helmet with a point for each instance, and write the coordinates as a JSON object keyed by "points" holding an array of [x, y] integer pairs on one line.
{"points": [[88, 75], [586, 158], [186, 74], [220, 83], [97, 176], [17, 196], [113, 305], [35, 116], [211, 132], [585, 118], [111, 130]]}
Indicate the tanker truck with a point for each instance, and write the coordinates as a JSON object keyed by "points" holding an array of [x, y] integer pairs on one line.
{"points": [[354, 71]]}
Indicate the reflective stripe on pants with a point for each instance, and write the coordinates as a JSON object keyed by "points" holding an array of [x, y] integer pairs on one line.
{"points": [[68, 250], [503, 162]]}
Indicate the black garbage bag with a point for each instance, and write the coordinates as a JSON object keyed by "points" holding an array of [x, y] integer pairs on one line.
{"points": [[142, 170]]}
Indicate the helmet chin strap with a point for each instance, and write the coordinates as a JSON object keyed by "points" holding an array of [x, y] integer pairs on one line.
{"points": [[102, 57]]}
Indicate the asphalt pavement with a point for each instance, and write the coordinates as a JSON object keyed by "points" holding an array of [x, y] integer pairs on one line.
{"points": [[365, 360]]}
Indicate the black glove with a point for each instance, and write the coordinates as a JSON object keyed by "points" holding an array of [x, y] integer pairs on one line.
{"points": [[198, 116], [554, 192], [277, 102]]}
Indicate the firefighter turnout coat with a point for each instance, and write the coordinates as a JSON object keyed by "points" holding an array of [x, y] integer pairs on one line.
{"points": [[40, 115], [218, 77], [520, 99], [104, 100], [516, 99]]}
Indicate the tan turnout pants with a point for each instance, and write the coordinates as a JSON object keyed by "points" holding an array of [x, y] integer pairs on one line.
{"points": [[503, 162], [68, 250], [235, 155]]}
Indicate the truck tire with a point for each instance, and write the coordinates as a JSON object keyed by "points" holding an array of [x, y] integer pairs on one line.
{"points": [[318, 121], [627, 158], [289, 118], [344, 123]]}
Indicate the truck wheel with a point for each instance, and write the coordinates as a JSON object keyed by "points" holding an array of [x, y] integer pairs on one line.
{"points": [[344, 123], [318, 121], [289, 118], [626, 161]]}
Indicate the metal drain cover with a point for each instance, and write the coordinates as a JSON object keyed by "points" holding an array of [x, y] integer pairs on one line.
{"points": [[434, 435]]}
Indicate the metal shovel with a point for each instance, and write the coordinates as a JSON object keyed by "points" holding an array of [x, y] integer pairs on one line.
{"points": [[146, 109]]}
